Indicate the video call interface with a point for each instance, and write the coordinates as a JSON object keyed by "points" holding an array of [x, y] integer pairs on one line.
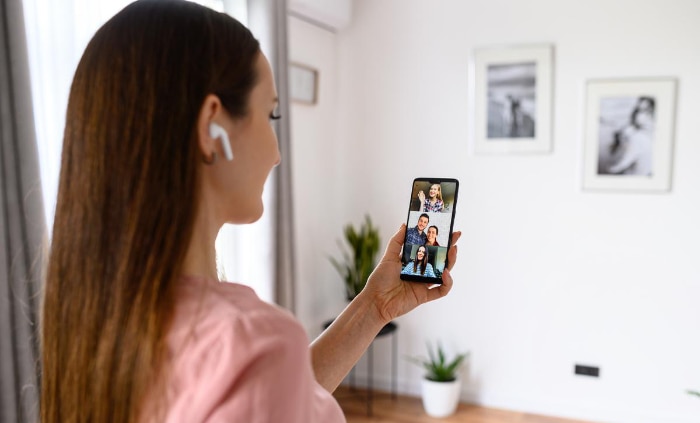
{"points": [[428, 229]]}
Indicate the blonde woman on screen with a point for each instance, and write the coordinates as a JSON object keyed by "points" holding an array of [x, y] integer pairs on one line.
{"points": [[433, 203]]}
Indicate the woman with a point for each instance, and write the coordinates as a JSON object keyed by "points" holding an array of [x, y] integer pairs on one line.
{"points": [[432, 234], [419, 266], [434, 201], [633, 144], [167, 138]]}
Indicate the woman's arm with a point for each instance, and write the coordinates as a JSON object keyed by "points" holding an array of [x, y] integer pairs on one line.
{"points": [[384, 298], [421, 198], [630, 153], [628, 159], [340, 346]]}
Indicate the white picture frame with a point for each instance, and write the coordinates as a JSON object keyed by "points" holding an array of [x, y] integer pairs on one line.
{"points": [[513, 99], [629, 134], [303, 84]]}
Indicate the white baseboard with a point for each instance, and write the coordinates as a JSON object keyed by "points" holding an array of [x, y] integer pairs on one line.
{"points": [[534, 405]]}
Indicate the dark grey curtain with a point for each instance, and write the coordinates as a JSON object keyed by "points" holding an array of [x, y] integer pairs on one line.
{"points": [[22, 225], [267, 19]]}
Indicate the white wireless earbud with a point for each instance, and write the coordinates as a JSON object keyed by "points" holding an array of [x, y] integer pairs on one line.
{"points": [[216, 131]]}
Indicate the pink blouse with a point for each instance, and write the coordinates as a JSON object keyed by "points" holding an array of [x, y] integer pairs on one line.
{"points": [[235, 358]]}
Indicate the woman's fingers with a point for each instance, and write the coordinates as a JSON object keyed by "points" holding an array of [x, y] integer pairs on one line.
{"points": [[441, 290], [452, 254], [456, 236]]}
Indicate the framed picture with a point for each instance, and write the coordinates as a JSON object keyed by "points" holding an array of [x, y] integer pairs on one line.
{"points": [[629, 130], [303, 83], [513, 99]]}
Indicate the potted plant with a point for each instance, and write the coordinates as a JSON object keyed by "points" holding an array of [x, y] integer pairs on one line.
{"points": [[440, 386], [357, 264]]}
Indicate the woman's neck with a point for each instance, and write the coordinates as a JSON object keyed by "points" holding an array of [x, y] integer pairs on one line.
{"points": [[200, 259]]}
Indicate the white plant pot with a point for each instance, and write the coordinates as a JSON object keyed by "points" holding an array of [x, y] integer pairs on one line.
{"points": [[440, 399]]}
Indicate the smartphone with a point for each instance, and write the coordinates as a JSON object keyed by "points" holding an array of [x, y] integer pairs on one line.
{"points": [[431, 216]]}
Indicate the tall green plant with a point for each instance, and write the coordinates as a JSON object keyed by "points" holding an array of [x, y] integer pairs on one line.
{"points": [[359, 262], [438, 367]]}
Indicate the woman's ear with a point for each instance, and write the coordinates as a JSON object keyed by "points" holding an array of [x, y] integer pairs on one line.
{"points": [[211, 108]]}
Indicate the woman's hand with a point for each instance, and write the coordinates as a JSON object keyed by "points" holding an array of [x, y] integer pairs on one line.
{"points": [[394, 297], [384, 298], [421, 197]]}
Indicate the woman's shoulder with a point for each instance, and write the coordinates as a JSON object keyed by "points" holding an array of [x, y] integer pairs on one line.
{"points": [[227, 349], [215, 322], [205, 306]]}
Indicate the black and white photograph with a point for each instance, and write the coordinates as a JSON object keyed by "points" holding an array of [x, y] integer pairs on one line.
{"points": [[626, 136], [629, 134], [512, 99]]}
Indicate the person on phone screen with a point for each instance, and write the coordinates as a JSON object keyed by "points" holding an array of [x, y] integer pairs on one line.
{"points": [[419, 266], [433, 203], [432, 234], [634, 141], [416, 235], [169, 136]]}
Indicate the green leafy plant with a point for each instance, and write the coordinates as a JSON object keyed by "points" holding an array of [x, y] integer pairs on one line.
{"points": [[359, 262], [439, 368], [696, 393]]}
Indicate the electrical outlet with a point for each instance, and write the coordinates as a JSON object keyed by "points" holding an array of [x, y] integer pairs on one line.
{"points": [[592, 371]]}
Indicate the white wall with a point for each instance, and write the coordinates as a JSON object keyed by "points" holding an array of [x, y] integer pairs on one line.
{"points": [[318, 178], [548, 275], [332, 15]]}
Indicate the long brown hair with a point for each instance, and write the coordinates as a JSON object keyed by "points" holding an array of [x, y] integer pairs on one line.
{"points": [[423, 263], [127, 200]]}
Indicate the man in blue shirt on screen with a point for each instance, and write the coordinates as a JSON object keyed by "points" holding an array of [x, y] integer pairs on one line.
{"points": [[416, 235]]}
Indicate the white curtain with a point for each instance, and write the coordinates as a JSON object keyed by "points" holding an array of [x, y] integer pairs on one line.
{"points": [[267, 19], [22, 226], [57, 34], [246, 253]]}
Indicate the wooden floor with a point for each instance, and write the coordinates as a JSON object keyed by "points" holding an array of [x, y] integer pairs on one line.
{"points": [[410, 410]]}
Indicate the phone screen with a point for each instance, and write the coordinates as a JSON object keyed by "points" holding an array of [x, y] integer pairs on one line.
{"points": [[431, 215]]}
